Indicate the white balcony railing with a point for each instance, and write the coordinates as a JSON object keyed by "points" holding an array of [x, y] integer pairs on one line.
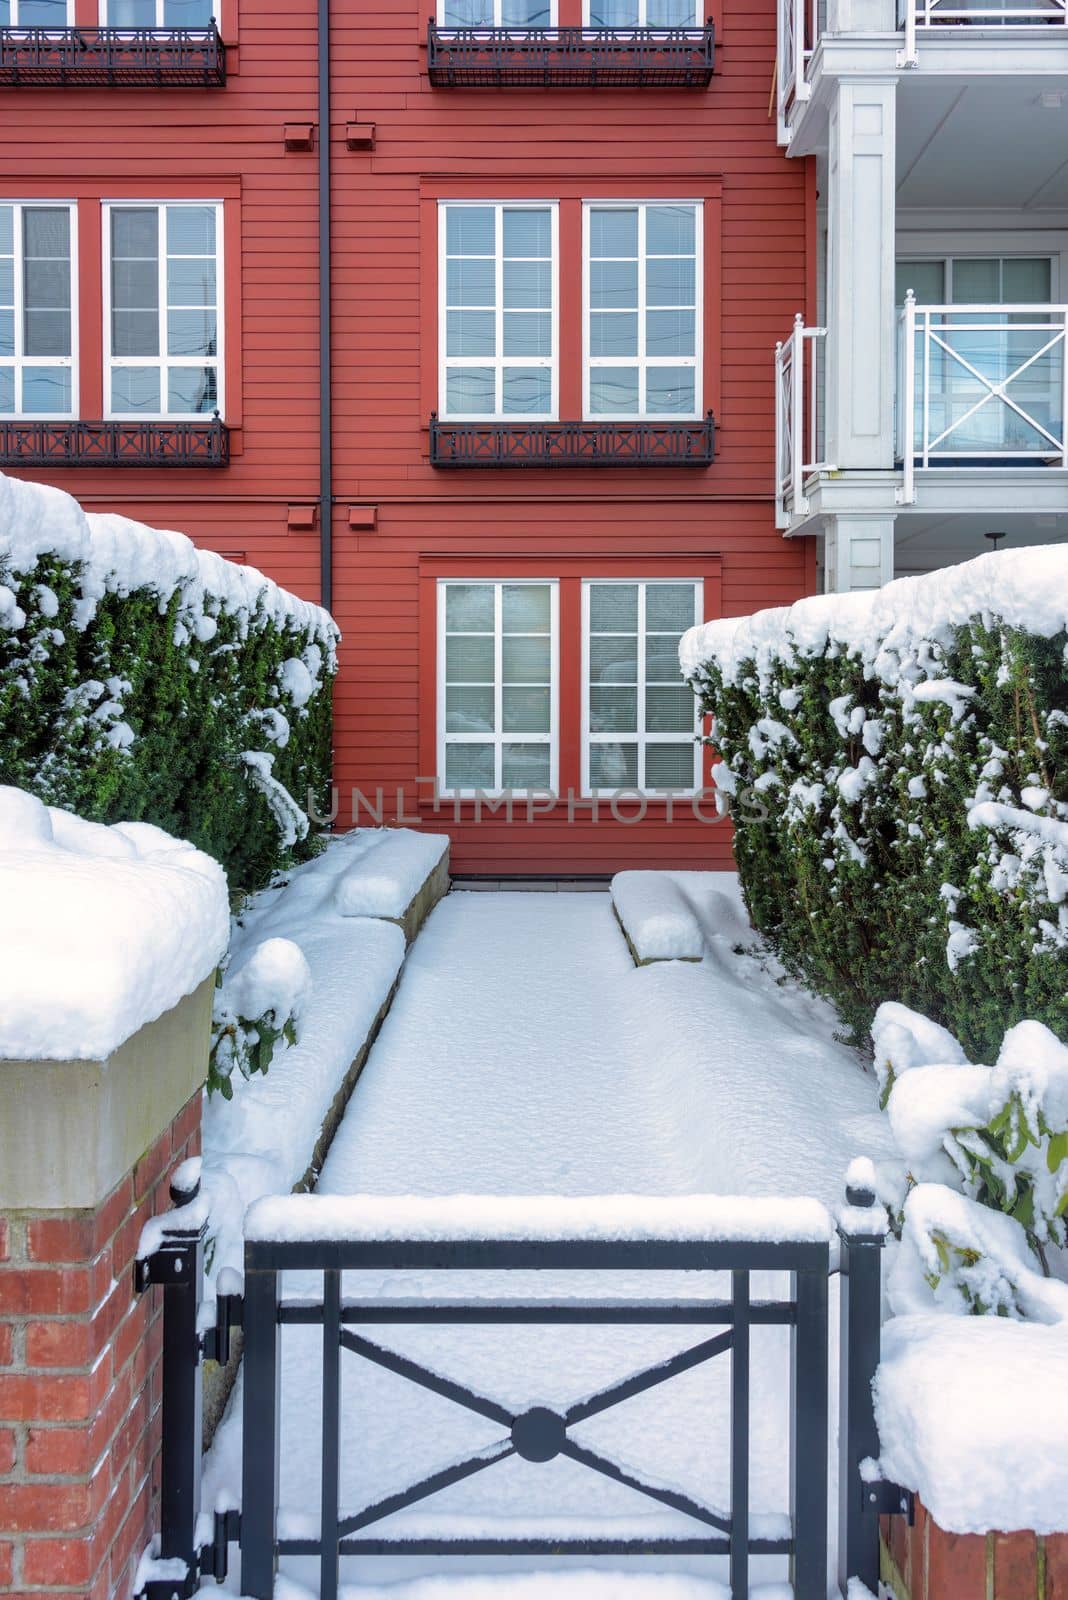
{"points": [[798, 418], [983, 385], [923, 16], [799, 26]]}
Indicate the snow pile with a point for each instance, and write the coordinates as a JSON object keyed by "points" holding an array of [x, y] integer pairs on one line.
{"points": [[104, 929], [296, 957], [394, 864], [657, 917], [973, 1415], [261, 1001]]}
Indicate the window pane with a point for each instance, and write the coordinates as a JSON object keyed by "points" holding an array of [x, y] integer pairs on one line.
{"points": [[469, 391], [469, 607], [613, 608], [670, 390], [669, 766], [131, 13], [525, 766], [526, 710], [613, 709], [670, 230], [671, 14], [470, 333], [527, 284], [613, 285], [187, 13], [5, 22], [190, 281], [46, 284], [614, 660], [469, 230], [43, 13], [525, 660], [46, 232], [525, 13], [670, 333], [613, 232], [469, 766], [670, 281], [613, 13], [7, 281], [467, 13], [192, 390], [670, 710], [134, 232], [192, 333], [469, 660], [669, 607], [135, 389], [470, 282], [47, 333], [134, 333], [469, 710], [926, 279], [7, 333], [614, 392], [1026, 281], [526, 608], [527, 391], [46, 390], [662, 658], [135, 285], [614, 333], [527, 233], [976, 282], [191, 230], [7, 230], [613, 766], [7, 389], [528, 333]]}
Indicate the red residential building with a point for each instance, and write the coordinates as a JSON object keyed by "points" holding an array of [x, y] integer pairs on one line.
{"points": [[562, 240]]}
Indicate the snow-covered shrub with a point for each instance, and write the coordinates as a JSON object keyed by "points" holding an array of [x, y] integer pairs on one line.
{"points": [[141, 678], [910, 747], [255, 1008]]}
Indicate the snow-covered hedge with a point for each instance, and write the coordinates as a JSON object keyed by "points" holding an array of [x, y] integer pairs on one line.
{"points": [[141, 678], [909, 750]]}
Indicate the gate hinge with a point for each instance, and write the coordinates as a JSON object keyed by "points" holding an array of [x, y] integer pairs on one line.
{"points": [[229, 1314], [888, 1500], [214, 1558]]}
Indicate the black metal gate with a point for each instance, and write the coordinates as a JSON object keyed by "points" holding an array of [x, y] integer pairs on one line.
{"points": [[537, 1434]]}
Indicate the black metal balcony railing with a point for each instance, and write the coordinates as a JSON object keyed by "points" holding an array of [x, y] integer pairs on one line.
{"points": [[177, 58], [572, 444], [609, 58], [115, 444]]}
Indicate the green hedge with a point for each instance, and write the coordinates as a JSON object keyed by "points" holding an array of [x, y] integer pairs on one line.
{"points": [[136, 674], [899, 771]]}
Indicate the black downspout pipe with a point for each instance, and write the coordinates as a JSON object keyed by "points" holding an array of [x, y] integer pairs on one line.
{"points": [[326, 385]]}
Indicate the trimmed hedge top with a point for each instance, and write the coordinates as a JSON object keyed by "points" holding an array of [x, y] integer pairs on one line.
{"points": [[898, 767], [144, 679]]}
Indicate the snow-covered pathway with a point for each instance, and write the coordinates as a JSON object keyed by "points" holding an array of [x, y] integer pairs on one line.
{"points": [[525, 1054]]}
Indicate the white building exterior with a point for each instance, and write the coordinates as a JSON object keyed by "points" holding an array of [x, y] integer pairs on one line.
{"points": [[924, 407]]}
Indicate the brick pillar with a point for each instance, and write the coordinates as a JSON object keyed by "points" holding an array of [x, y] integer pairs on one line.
{"points": [[80, 1354], [925, 1562]]}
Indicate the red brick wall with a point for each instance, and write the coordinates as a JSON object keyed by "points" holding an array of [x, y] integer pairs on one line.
{"points": [[926, 1563], [80, 1387]]}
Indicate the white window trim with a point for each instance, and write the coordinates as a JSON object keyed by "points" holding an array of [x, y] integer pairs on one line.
{"points": [[995, 252], [499, 737], [163, 360], [20, 360], [642, 739], [694, 364], [167, 27], [498, 362], [498, 7], [696, 21]]}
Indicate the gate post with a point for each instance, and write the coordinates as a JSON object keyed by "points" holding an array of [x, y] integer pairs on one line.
{"points": [[260, 1420], [862, 1231], [177, 1266]]}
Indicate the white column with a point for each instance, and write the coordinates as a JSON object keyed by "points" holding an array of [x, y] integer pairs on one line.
{"points": [[858, 553], [861, 354]]}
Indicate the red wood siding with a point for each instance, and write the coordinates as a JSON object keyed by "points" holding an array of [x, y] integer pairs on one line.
{"points": [[717, 144]]}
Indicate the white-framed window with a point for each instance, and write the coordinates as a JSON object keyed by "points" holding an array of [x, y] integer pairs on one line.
{"points": [[163, 308], [498, 303], [497, 685], [642, 13], [643, 309], [38, 336], [639, 719], [36, 13], [158, 13], [976, 280], [497, 13]]}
